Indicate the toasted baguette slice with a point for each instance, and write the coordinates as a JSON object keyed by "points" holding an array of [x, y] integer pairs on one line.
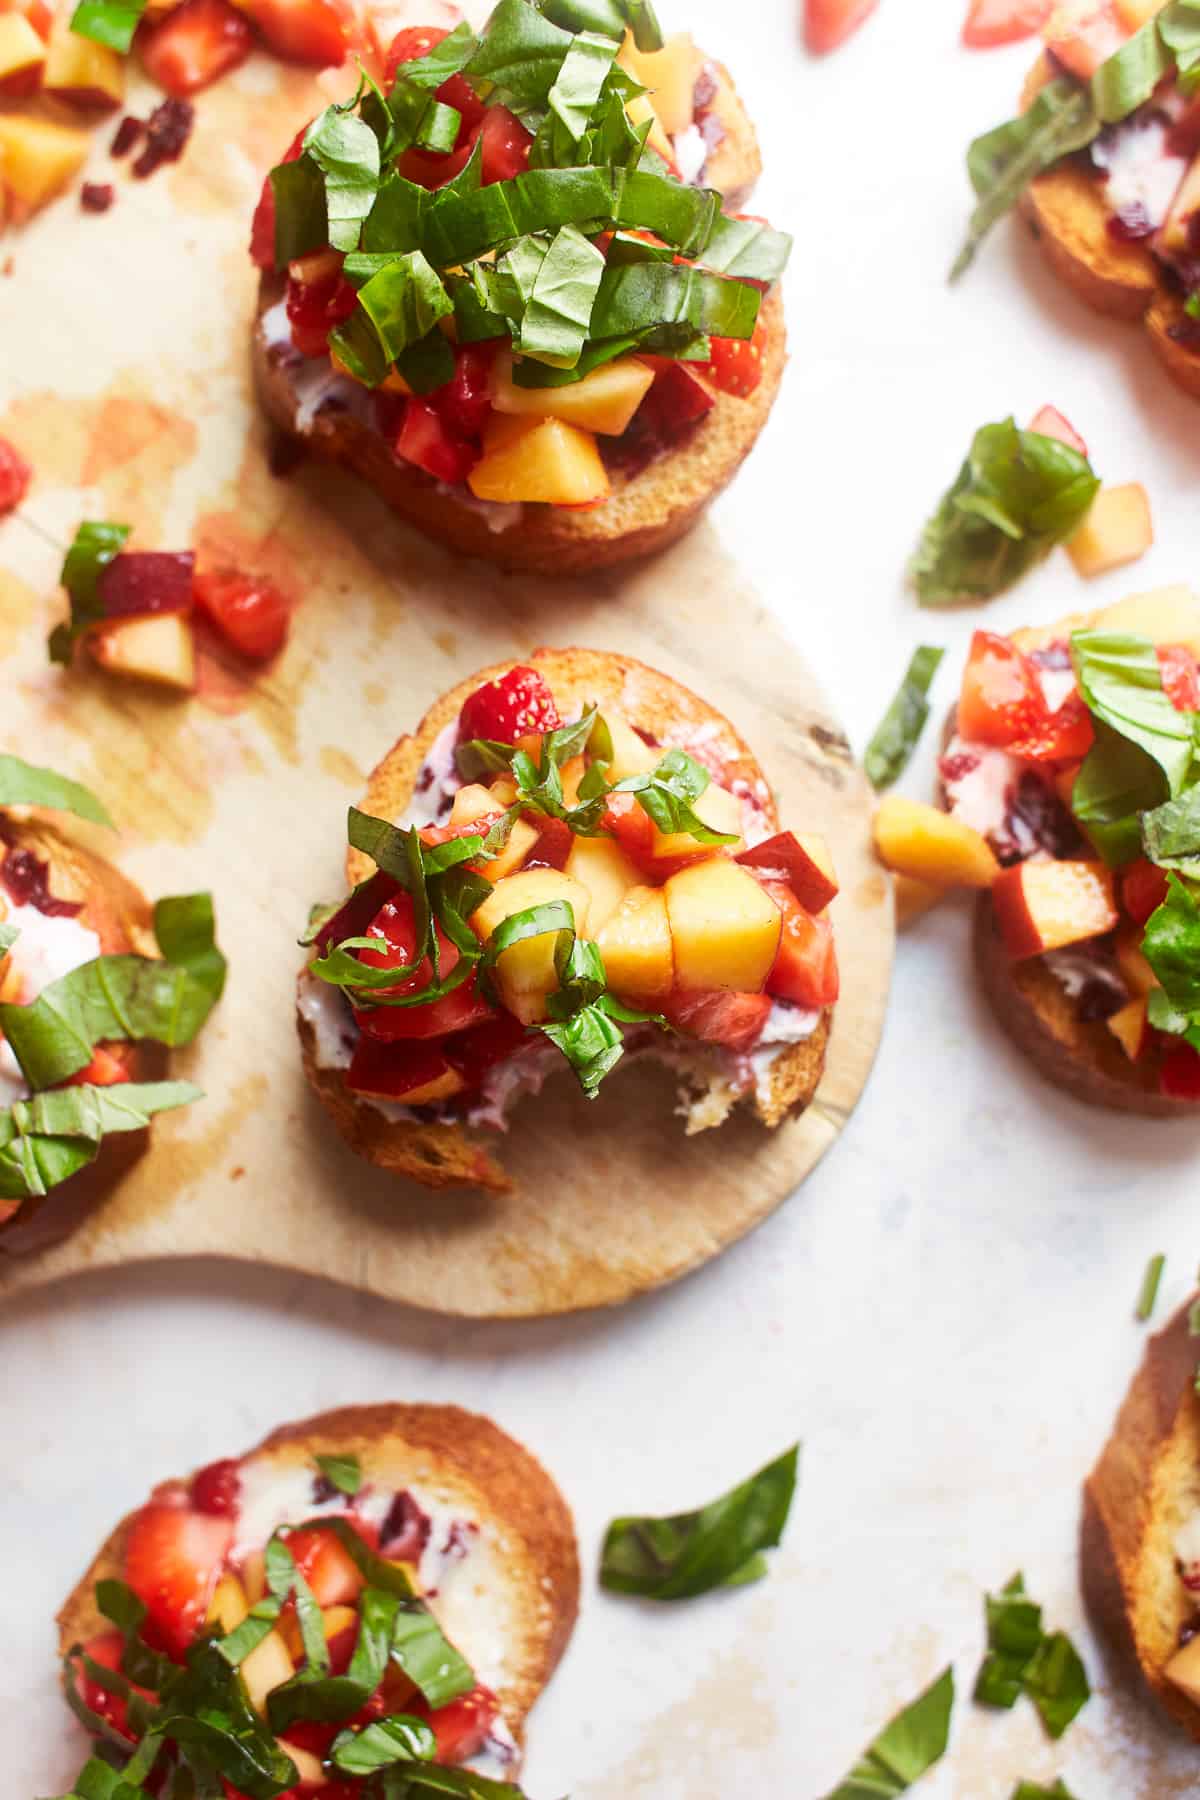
{"points": [[121, 917], [1080, 1055], [1066, 211], [644, 513], [441, 1155], [1145, 1485], [454, 1458]]}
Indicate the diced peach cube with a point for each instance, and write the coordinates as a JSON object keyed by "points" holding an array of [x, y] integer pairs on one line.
{"points": [[1117, 530], [914, 838]]}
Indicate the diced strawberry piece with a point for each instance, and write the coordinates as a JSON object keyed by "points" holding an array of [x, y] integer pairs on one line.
{"points": [[472, 1054], [1001, 698], [352, 918], [806, 969], [140, 582], [1143, 889], [1063, 736], [410, 45], [315, 307], [329, 1569], [1049, 422], [783, 857], [413, 1071], [720, 1017], [107, 1650], [736, 364], [678, 399], [1180, 677], [217, 1488], [506, 145], [246, 609], [1082, 34], [194, 44], [508, 707], [395, 926], [106, 1069], [992, 22], [461, 1727], [1179, 1075], [828, 23], [262, 231], [15, 476], [172, 1560], [315, 32], [425, 441], [466, 400], [553, 847]]}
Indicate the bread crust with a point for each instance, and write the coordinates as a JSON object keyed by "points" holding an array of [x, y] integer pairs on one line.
{"points": [[1146, 1482], [734, 165], [1067, 215], [444, 1156], [646, 512], [496, 1477], [120, 915]]}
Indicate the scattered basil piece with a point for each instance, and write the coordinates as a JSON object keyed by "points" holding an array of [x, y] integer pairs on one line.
{"points": [[898, 732], [1014, 1633], [185, 930], [1030, 1790], [108, 22], [905, 1749], [96, 544], [342, 1472], [1016, 496], [45, 1140], [1148, 1293], [24, 784], [1057, 1683], [1003, 162], [688, 1554], [396, 1739]]}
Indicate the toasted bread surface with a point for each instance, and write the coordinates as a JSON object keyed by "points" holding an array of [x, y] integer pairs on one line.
{"points": [[645, 513], [1144, 1486], [460, 1459], [1066, 210], [734, 164], [120, 915], [442, 1155]]}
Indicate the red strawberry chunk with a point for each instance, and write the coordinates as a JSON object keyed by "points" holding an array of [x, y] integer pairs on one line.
{"points": [[262, 231], [313, 32], [194, 44], [461, 1727], [1180, 677], [15, 476], [106, 1650], [329, 1569], [828, 23], [247, 610], [509, 707], [1180, 1073], [106, 1069], [736, 364], [217, 1488], [172, 1560], [425, 441], [720, 1017], [466, 400], [395, 927], [806, 970], [1143, 889]]}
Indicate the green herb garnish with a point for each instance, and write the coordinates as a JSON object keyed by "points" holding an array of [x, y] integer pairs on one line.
{"points": [[1031, 1790], [1148, 1293], [907, 1747], [721, 1545], [49, 1138], [1023, 1659], [24, 784], [96, 544], [1017, 495], [342, 1472], [108, 22], [897, 734]]}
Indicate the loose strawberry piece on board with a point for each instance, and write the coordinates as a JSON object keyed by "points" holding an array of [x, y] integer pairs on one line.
{"points": [[509, 707], [1049, 422], [736, 364], [1001, 698], [15, 476], [247, 610], [1143, 889], [172, 1561], [1180, 677], [217, 1488], [806, 969], [314, 32], [720, 1017], [194, 44], [828, 23], [992, 22]]}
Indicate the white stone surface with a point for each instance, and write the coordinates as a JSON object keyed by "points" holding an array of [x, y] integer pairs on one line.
{"points": [[944, 1314]]}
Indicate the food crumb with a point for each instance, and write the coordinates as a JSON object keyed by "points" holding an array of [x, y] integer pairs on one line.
{"points": [[167, 131], [236, 1174], [129, 132], [9, 267], [97, 196]]}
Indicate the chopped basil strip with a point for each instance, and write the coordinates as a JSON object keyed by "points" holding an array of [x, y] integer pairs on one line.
{"points": [[1148, 1293], [346, 151], [108, 22], [687, 1554], [396, 1739], [120, 998], [1023, 1659], [1030, 1790], [427, 1657], [24, 784], [666, 795], [96, 544], [897, 734], [1017, 495], [420, 1779], [46, 1140], [342, 1472], [905, 1749]]}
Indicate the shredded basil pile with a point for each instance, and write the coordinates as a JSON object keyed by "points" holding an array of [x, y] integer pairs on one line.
{"points": [[1022, 1658], [446, 887], [1068, 115], [518, 258]]}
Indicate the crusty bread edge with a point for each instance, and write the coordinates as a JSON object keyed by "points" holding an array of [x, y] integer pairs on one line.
{"points": [[511, 1486], [441, 1156], [1131, 1508]]}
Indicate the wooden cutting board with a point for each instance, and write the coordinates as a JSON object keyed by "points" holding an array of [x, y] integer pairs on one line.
{"points": [[130, 394]]}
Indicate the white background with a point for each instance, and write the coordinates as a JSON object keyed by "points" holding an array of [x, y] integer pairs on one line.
{"points": [[944, 1314]]}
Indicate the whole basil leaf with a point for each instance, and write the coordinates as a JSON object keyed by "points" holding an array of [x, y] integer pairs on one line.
{"points": [[905, 1749], [46, 1140], [1016, 496], [24, 784], [397, 1739], [1003, 162], [687, 1554], [898, 732], [95, 545]]}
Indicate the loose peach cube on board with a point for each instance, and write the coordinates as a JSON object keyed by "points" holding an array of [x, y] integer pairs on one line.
{"points": [[1043, 906], [1118, 529], [38, 157], [159, 648], [914, 838]]}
